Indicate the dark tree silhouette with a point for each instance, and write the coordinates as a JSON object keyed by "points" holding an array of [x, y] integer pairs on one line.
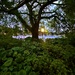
{"points": [[31, 12]]}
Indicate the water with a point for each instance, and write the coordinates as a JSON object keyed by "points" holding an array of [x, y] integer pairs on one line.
{"points": [[42, 37]]}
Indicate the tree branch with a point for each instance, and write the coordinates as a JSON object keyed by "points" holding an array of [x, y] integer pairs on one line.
{"points": [[48, 17], [43, 6], [22, 21], [30, 14], [20, 4], [16, 7]]}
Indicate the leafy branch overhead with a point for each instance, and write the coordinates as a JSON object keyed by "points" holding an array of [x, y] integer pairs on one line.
{"points": [[30, 12], [18, 5]]}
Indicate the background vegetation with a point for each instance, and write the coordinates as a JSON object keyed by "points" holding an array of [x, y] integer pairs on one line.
{"points": [[27, 57]]}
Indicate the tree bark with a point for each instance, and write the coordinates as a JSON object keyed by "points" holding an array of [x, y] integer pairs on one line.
{"points": [[35, 32]]}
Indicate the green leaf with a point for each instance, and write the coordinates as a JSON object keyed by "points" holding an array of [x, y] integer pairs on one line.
{"points": [[8, 62], [8, 73], [5, 73], [33, 73], [22, 72], [14, 73]]}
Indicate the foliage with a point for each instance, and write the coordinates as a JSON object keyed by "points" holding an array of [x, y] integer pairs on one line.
{"points": [[7, 42], [69, 9], [71, 37], [52, 57]]}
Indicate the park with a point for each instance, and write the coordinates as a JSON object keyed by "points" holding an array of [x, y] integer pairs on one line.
{"points": [[37, 37]]}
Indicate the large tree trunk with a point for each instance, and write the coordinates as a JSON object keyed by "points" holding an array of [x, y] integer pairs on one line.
{"points": [[35, 32]]}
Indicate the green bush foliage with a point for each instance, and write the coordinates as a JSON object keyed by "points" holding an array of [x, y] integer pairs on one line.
{"points": [[71, 38], [7, 42], [52, 57]]}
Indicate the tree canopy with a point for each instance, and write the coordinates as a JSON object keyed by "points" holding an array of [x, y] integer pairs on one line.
{"points": [[30, 13]]}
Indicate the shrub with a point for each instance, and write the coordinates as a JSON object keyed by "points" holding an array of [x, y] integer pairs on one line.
{"points": [[8, 42], [38, 58]]}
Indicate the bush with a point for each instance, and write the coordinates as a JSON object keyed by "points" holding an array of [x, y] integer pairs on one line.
{"points": [[38, 58], [8, 42], [71, 38]]}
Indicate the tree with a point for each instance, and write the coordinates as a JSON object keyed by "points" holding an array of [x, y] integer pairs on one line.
{"points": [[69, 10], [31, 12]]}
